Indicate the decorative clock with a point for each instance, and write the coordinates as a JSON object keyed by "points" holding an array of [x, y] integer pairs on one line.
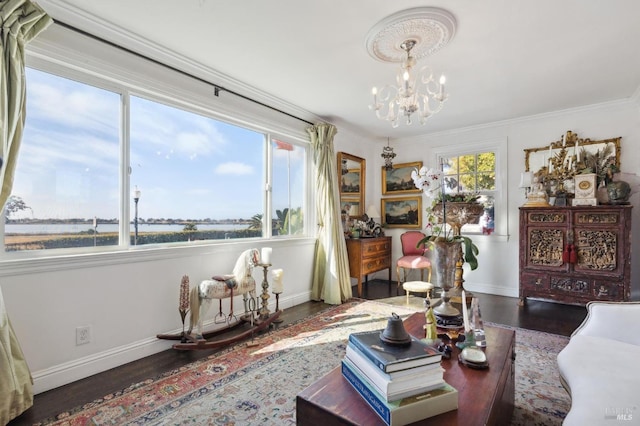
{"points": [[585, 185]]}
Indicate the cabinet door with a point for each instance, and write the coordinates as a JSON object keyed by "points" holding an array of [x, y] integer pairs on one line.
{"points": [[597, 239], [544, 240]]}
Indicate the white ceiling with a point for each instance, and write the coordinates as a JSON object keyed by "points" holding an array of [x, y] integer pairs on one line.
{"points": [[508, 58]]}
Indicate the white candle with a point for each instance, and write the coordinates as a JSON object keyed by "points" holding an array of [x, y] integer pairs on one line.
{"points": [[265, 256], [465, 314], [277, 281]]}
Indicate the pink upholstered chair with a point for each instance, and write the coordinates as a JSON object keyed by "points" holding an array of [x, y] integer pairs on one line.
{"points": [[412, 256]]}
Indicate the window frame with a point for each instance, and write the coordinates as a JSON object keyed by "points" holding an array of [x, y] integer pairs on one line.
{"points": [[499, 147], [92, 62]]}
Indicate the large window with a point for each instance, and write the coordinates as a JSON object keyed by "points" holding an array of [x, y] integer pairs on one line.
{"points": [[67, 174], [288, 189], [86, 177], [474, 173]]}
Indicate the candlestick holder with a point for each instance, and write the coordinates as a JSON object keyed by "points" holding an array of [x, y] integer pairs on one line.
{"points": [[277, 320], [264, 310]]}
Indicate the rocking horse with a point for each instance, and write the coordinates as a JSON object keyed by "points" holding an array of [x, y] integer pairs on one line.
{"points": [[223, 287]]}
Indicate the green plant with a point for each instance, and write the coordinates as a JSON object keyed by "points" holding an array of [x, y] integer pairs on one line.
{"points": [[433, 183], [440, 232], [469, 252], [602, 163]]}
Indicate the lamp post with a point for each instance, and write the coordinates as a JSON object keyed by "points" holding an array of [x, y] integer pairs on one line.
{"points": [[136, 198]]}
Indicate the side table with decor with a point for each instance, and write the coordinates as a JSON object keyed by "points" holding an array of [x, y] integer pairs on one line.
{"points": [[368, 255]]}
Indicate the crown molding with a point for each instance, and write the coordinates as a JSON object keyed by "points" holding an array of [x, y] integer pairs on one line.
{"points": [[73, 16], [622, 103]]}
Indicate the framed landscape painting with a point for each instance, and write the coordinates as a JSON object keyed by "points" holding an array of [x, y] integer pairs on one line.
{"points": [[398, 179], [402, 212]]}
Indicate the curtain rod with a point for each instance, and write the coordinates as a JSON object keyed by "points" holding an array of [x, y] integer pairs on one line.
{"points": [[216, 88]]}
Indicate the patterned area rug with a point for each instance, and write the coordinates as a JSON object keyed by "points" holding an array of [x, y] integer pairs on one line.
{"points": [[258, 385]]}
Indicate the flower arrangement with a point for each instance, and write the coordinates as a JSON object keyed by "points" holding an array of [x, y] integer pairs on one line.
{"points": [[602, 163], [359, 227], [432, 183]]}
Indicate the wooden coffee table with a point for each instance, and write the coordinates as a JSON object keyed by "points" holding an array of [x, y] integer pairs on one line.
{"points": [[485, 397]]}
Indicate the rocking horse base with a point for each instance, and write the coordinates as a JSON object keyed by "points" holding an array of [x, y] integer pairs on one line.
{"points": [[190, 343]]}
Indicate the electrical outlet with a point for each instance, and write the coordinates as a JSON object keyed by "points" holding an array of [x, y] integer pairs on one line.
{"points": [[83, 335]]}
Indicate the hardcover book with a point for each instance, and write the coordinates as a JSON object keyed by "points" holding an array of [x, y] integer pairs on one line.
{"points": [[390, 358], [358, 357], [406, 410], [391, 391]]}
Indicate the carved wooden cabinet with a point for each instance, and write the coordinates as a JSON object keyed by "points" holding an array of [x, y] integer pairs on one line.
{"points": [[575, 254], [368, 255]]}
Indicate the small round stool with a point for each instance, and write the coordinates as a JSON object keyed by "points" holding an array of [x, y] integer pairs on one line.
{"points": [[417, 287]]}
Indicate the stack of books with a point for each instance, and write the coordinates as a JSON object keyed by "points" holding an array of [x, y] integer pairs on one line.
{"points": [[402, 384]]}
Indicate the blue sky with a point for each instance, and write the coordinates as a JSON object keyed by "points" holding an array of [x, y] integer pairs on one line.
{"points": [[185, 165]]}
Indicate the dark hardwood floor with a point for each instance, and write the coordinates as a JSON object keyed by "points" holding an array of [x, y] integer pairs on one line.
{"points": [[535, 315]]}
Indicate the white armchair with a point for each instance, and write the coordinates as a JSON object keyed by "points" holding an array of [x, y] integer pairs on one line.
{"points": [[599, 367]]}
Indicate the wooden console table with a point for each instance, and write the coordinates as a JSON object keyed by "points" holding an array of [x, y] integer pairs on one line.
{"points": [[485, 397], [368, 255]]}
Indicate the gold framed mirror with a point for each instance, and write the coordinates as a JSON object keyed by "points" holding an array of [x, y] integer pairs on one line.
{"points": [[352, 175], [537, 158]]}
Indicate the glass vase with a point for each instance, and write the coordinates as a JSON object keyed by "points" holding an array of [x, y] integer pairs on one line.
{"points": [[446, 254]]}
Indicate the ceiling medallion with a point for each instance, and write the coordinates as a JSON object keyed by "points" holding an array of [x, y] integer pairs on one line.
{"points": [[431, 28], [406, 37]]}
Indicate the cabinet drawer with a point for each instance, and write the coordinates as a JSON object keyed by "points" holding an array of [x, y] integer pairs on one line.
{"points": [[534, 281], [607, 290], [573, 285], [375, 248], [375, 264]]}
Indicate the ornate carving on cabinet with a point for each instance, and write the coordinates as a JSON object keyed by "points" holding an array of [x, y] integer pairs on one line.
{"points": [[545, 247], [575, 254], [598, 250], [547, 217], [597, 218], [567, 284]]}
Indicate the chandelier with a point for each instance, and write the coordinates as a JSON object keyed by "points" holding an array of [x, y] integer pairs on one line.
{"points": [[388, 155], [406, 37]]}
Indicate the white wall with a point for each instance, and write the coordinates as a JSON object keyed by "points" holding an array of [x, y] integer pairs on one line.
{"points": [[126, 301], [129, 297], [498, 260]]}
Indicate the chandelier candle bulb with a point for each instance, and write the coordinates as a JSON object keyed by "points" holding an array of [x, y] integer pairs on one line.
{"points": [[265, 255]]}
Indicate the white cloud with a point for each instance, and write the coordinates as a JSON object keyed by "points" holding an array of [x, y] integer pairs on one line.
{"points": [[234, 168]]}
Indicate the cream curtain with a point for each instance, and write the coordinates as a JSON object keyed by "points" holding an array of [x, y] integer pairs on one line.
{"points": [[21, 21], [16, 394], [331, 281]]}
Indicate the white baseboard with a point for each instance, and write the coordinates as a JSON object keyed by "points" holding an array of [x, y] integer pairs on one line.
{"points": [[493, 289], [62, 374]]}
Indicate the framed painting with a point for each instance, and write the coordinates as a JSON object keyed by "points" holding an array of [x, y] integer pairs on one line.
{"points": [[398, 179], [402, 212]]}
